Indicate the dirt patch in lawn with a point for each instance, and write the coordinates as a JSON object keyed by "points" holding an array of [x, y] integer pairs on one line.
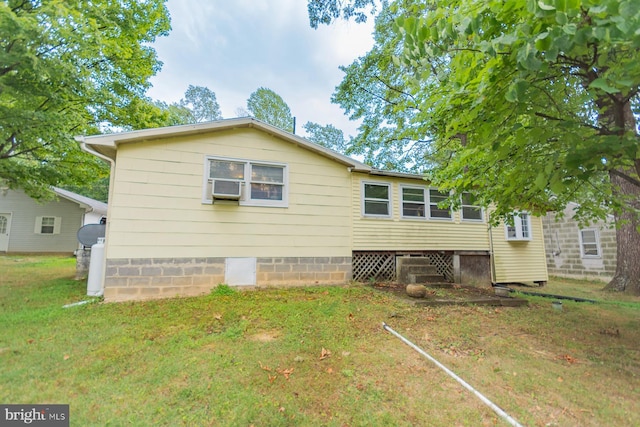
{"points": [[450, 294], [265, 336]]}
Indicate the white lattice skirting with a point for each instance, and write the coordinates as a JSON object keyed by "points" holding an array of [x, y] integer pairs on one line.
{"points": [[382, 265]]}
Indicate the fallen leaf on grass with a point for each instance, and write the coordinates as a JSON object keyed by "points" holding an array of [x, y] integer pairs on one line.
{"points": [[324, 354], [66, 357], [431, 318], [329, 370], [285, 372], [560, 379], [350, 317], [264, 367]]}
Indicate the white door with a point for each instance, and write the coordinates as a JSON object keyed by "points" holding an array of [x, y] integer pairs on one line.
{"points": [[5, 226]]}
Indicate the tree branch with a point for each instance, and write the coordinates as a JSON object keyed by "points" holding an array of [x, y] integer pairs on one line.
{"points": [[626, 177], [558, 119], [388, 86]]}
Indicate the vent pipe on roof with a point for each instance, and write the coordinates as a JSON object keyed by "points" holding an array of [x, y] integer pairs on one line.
{"points": [[294, 125]]}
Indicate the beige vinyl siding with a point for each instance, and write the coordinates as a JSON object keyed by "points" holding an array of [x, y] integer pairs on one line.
{"points": [[520, 261], [157, 210], [397, 233]]}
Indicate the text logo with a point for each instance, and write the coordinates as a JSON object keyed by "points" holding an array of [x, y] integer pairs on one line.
{"points": [[34, 415]]}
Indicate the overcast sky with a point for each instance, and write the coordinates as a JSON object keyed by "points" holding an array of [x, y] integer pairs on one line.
{"points": [[233, 47]]}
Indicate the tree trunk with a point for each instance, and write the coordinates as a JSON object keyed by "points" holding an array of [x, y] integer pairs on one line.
{"points": [[627, 276]]}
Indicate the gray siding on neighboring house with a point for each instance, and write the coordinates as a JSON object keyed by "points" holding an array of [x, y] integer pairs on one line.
{"points": [[563, 244], [24, 211]]}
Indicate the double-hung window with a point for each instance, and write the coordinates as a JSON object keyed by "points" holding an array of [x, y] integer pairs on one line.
{"points": [[470, 210], [267, 182], [413, 202], [436, 197], [589, 244], [261, 183], [376, 200], [47, 225], [520, 229]]}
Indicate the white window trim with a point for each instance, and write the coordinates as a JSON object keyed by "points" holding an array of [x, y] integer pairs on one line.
{"points": [[435, 218], [389, 200], [57, 223], [597, 236], [462, 206], [426, 202], [517, 223], [246, 200]]}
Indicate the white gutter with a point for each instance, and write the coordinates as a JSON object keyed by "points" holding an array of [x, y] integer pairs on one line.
{"points": [[112, 163]]}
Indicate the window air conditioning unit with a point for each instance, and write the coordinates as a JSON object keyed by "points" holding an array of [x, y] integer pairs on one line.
{"points": [[226, 189]]}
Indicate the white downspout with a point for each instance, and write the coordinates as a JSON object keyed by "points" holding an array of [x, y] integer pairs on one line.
{"points": [[492, 253], [112, 172]]}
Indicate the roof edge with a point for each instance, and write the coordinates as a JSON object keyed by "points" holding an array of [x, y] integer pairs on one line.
{"points": [[107, 144]]}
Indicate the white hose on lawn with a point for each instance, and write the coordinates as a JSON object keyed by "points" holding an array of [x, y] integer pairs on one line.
{"points": [[489, 403]]}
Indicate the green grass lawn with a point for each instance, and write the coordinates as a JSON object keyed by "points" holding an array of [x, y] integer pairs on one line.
{"points": [[312, 356]]}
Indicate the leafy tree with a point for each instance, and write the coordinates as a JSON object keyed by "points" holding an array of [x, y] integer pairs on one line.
{"points": [[97, 190], [173, 114], [326, 11], [69, 68], [529, 102], [374, 90], [541, 95], [201, 102], [266, 105], [328, 136], [201, 105]]}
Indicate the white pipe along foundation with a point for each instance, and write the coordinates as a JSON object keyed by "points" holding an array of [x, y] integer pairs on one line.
{"points": [[486, 401]]}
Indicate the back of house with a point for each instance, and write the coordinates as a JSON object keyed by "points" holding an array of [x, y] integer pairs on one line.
{"points": [[243, 203]]}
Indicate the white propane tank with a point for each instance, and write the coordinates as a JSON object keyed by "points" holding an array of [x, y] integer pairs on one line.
{"points": [[96, 268]]}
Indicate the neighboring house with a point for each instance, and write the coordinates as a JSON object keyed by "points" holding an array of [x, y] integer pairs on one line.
{"points": [[582, 252], [243, 203], [27, 225]]}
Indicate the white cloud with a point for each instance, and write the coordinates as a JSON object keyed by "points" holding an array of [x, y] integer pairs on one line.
{"points": [[234, 47]]}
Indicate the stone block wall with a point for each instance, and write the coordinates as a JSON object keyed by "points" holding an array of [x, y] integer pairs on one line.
{"points": [[562, 248], [149, 278], [280, 271]]}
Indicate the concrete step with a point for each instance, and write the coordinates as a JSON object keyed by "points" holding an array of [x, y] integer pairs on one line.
{"points": [[426, 278], [413, 260], [414, 266], [415, 269]]}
